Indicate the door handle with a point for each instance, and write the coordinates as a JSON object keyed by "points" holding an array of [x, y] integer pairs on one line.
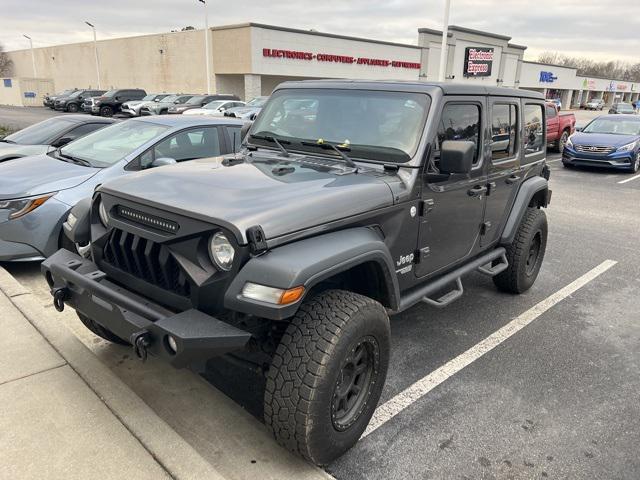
{"points": [[512, 179], [477, 190]]}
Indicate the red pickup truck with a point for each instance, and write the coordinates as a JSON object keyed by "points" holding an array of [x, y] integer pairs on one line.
{"points": [[559, 127]]}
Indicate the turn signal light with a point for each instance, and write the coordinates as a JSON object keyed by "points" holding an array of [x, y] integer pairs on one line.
{"points": [[276, 296]]}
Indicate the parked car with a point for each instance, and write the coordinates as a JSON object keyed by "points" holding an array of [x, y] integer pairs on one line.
{"points": [[557, 102], [248, 111], [622, 108], [560, 126], [292, 253], [215, 108], [162, 107], [594, 104], [73, 102], [132, 108], [109, 103], [49, 134], [37, 192], [611, 141], [198, 101], [87, 105], [49, 100]]}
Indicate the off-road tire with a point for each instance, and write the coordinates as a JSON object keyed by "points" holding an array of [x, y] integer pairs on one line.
{"points": [[303, 380], [101, 331], [523, 269], [106, 111], [72, 108]]}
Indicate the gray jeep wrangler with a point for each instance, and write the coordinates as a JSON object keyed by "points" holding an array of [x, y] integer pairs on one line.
{"points": [[350, 201]]}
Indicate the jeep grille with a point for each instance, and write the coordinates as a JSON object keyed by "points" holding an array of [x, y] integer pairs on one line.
{"points": [[147, 260]]}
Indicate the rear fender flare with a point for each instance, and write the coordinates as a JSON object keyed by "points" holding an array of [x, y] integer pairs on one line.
{"points": [[533, 188], [308, 262]]}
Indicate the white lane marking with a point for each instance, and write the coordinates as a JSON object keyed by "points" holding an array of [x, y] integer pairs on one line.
{"points": [[629, 179], [404, 399], [554, 161]]}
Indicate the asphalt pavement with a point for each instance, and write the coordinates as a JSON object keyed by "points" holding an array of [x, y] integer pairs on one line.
{"points": [[557, 398], [16, 118]]}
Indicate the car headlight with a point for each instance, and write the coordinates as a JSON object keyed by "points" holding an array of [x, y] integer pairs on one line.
{"points": [[221, 251], [629, 147], [21, 206], [102, 213]]}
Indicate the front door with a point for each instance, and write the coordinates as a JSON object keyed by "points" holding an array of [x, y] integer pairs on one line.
{"points": [[503, 164], [453, 207]]}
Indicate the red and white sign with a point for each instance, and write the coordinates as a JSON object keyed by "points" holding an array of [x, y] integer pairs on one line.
{"points": [[333, 58]]}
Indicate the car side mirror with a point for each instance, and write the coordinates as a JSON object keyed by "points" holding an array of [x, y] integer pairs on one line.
{"points": [[578, 129], [244, 130], [221, 109], [456, 156], [61, 142], [161, 162]]}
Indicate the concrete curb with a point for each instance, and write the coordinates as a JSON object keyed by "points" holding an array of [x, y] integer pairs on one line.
{"points": [[168, 448]]}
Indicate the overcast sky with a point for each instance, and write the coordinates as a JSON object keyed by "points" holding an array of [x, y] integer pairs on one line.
{"points": [[603, 29]]}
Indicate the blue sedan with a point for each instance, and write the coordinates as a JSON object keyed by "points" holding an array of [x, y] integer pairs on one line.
{"points": [[37, 192], [612, 141]]}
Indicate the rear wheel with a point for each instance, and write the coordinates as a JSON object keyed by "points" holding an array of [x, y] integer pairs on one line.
{"points": [[100, 331], [106, 111], [525, 254], [327, 374], [562, 141]]}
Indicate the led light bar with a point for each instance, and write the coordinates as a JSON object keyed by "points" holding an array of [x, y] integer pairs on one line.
{"points": [[152, 221]]}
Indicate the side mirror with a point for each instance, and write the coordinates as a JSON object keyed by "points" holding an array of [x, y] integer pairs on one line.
{"points": [[244, 130], [161, 162], [456, 156], [221, 109], [61, 142], [579, 129]]}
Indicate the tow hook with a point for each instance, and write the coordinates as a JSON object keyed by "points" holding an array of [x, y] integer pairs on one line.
{"points": [[59, 296], [140, 341]]}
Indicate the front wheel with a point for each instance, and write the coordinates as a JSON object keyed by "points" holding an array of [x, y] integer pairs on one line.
{"points": [[72, 108], [100, 331], [327, 375], [525, 253], [106, 112], [635, 165]]}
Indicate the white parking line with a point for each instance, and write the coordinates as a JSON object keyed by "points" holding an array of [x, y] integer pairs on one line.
{"points": [[554, 161], [629, 179], [404, 399]]}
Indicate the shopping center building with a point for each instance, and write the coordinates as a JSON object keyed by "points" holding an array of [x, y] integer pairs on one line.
{"points": [[251, 59]]}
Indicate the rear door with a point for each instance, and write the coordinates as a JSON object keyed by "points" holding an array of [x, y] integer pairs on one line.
{"points": [[503, 158]]}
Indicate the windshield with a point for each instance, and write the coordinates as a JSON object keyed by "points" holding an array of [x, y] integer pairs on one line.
{"points": [[258, 102], [109, 145], [369, 124], [75, 94], [625, 107], [613, 126], [214, 105], [40, 133], [110, 93], [195, 100], [149, 97]]}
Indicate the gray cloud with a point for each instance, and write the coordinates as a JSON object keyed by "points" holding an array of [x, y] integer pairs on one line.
{"points": [[577, 27]]}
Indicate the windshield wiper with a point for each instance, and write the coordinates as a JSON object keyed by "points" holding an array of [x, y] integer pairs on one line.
{"points": [[77, 160], [330, 146], [273, 139]]}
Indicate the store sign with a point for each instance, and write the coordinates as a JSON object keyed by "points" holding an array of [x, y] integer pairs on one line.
{"points": [[547, 77], [29, 94], [622, 86], [477, 62], [332, 58], [589, 84]]}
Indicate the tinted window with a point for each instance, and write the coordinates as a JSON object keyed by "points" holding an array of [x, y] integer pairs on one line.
{"points": [[82, 130], [551, 112], [197, 143], [460, 122], [533, 129], [504, 128], [41, 133]]}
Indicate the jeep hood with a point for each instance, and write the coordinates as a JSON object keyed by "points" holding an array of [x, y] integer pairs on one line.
{"points": [[281, 197], [24, 177]]}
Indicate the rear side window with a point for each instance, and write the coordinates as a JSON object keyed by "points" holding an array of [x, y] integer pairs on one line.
{"points": [[533, 129], [460, 122], [551, 112], [504, 128]]}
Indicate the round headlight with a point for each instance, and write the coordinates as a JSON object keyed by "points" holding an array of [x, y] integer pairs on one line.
{"points": [[102, 212], [221, 251]]}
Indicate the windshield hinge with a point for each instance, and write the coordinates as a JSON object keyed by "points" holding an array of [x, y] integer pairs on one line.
{"points": [[257, 240]]}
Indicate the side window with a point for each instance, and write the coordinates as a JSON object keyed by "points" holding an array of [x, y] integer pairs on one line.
{"points": [[551, 112], [233, 138], [460, 122], [533, 129], [196, 143], [504, 128], [82, 130]]}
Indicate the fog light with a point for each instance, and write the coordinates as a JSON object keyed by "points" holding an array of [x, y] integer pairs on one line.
{"points": [[277, 296], [173, 346]]}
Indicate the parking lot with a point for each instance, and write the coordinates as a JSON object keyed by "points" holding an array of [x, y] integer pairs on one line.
{"points": [[557, 399]]}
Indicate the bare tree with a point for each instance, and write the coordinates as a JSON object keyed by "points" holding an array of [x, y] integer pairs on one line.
{"points": [[6, 64], [615, 69]]}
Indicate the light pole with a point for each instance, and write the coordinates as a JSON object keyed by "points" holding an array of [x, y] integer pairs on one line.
{"points": [[442, 74], [206, 44], [33, 56], [95, 48]]}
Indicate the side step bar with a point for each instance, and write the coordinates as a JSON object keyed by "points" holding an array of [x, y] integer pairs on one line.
{"points": [[483, 264]]}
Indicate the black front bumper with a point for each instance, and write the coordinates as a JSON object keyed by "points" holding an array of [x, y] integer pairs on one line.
{"points": [[198, 336]]}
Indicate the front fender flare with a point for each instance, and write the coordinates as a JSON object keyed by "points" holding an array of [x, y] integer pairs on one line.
{"points": [[307, 262]]}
